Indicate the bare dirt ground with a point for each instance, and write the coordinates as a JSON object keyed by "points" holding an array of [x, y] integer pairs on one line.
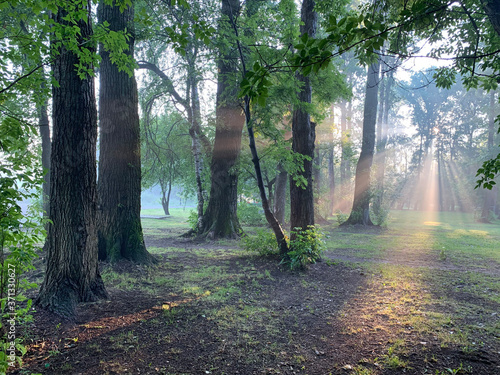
{"points": [[210, 309]]}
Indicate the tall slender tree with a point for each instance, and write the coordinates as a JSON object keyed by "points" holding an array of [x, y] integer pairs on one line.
{"points": [[301, 198], [72, 273], [119, 189], [360, 213]]}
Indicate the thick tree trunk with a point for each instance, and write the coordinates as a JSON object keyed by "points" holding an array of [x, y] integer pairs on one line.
{"points": [[45, 136], [360, 213], [280, 195], [72, 273], [302, 199], [119, 189], [492, 8], [220, 219]]}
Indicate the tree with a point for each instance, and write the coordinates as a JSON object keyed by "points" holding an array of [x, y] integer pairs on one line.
{"points": [[360, 213], [220, 218], [119, 189], [301, 196], [166, 157], [189, 47], [72, 273]]}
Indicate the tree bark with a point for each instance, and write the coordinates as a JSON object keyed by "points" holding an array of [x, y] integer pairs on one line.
{"points": [[382, 136], [271, 219], [360, 213], [492, 8], [119, 188], [72, 273], [45, 136], [165, 197], [280, 194], [220, 219], [302, 199]]}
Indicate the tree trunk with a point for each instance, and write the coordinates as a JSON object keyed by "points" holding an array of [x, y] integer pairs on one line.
{"points": [[280, 195], [45, 136], [382, 137], [492, 8], [360, 213], [271, 219], [302, 199], [331, 179], [197, 137], [165, 197], [72, 273], [489, 195], [220, 219], [119, 188]]}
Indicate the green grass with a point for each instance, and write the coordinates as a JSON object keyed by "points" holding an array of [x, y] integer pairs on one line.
{"points": [[453, 237]]}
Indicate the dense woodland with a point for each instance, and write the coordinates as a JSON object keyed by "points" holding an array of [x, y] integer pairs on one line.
{"points": [[283, 114]]}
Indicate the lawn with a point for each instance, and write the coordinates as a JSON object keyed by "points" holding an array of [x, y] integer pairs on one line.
{"points": [[420, 296]]}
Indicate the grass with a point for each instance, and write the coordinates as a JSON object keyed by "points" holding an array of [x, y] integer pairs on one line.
{"points": [[452, 237]]}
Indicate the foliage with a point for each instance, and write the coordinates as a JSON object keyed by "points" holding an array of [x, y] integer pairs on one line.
{"points": [[20, 234], [250, 214], [192, 220], [379, 213], [341, 217], [264, 243], [306, 248]]}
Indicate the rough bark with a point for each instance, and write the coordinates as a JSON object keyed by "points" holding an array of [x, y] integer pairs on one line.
{"points": [[492, 8], [302, 199], [119, 188], [360, 213], [220, 218], [280, 195], [45, 136], [72, 273]]}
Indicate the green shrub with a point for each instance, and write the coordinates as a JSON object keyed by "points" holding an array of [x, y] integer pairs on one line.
{"points": [[249, 214], [380, 214], [193, 220], [341, 217], [305, 248], [264, 243]]}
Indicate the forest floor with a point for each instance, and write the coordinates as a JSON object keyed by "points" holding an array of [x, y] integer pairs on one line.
{"points": [[418, 297]]}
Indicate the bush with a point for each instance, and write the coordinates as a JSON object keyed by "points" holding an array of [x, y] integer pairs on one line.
{"points": [[264, 243], [192, 220], [305, 249], [380, 214], [249, 214], [341, 217]]}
